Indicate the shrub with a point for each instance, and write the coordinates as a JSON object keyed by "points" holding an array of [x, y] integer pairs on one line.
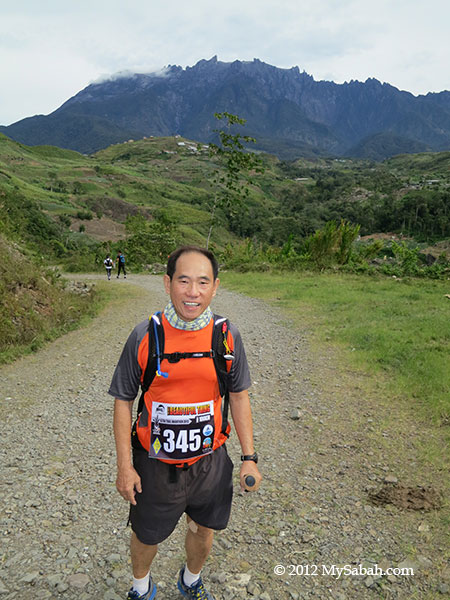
{"points": [[331, 245], [85, 215], [65, 220]]}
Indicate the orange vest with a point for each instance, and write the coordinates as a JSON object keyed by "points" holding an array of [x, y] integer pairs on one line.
{"points": [[191, 384]]}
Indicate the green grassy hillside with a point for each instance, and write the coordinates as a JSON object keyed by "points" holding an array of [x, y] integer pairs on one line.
{"points": [[35, 304], [126, 179], [58, 207], [74, 208]]}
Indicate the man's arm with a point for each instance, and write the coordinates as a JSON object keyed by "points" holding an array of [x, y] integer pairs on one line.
{"points": [[242, 420], [128, 481]]}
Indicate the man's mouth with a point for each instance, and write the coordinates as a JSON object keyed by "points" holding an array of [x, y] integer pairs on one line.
{"points": [[191, 303]]}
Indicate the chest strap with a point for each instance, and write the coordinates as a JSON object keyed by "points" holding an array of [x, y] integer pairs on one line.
{"points": [[174, 357]]}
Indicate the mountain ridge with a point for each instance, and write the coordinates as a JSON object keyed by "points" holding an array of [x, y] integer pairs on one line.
{"points": [[287, 111]]}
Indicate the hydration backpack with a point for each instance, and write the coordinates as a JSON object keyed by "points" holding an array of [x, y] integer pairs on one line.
{"points": [[220, 353]]}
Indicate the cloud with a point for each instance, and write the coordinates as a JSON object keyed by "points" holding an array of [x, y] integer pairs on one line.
{"points": [[155, 72]]}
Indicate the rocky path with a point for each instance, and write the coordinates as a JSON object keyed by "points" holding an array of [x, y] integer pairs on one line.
{"points": [[323, 445]]}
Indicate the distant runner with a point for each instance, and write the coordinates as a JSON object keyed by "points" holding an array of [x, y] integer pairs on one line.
{"points": [[121, 264], [109, 264]]}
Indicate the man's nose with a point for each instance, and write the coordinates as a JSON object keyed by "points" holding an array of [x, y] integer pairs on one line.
{"points": [[193, 289]]}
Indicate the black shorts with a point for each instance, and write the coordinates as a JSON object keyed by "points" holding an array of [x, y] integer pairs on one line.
{"points": [[203, 491]]}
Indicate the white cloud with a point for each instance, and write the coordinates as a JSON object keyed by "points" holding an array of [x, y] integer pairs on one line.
{"points": [[146, 70]]}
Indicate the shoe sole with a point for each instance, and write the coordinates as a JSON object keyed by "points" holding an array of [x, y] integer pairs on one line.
{"points": [[153, 593], [181, 590]]}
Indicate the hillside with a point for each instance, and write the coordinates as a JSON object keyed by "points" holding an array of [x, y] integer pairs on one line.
{"points": [[289, 113], [73, 208], [35, 304], [161, 174]]}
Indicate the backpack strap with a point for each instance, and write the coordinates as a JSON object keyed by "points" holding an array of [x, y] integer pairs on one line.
{"points": [[222, 353], [155, 332]]}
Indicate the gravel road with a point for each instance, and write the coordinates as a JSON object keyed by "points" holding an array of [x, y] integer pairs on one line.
{"points": [[323, 446]]}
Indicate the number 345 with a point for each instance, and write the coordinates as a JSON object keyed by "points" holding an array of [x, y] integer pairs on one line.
{"points": [[183, 442]]}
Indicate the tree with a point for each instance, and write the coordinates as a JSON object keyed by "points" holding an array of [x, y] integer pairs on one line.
{"points": [[229, 189], [149, 241]]}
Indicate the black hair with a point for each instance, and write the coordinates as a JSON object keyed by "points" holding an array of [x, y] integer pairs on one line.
{"points": [[172, 261]]}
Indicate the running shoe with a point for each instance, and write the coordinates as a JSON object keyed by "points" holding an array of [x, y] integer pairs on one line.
{"points": [[149, 595], [194, 592]]}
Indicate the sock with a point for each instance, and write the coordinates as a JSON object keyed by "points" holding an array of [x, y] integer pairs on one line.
{"points": [[190, 578], [141, 585]]}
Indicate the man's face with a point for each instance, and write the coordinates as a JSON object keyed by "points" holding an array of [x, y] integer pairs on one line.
{"points": [[192, 286]]}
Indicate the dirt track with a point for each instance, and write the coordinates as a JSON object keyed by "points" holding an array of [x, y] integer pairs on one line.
{"points": [[324, 447]]}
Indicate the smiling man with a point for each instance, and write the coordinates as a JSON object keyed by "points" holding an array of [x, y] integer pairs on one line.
{"points": [[179, 463]]}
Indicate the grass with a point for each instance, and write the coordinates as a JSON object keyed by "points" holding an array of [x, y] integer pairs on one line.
{"points": [[397, 329], [35, 308]]}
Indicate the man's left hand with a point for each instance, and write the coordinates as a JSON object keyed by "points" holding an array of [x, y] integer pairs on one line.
{"points": [[248, 467]]}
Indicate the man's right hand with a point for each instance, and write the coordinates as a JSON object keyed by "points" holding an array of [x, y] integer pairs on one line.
{"points": [[128, 483]]}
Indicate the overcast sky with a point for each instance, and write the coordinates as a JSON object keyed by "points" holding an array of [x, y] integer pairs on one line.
{"points": [[51, 49]]}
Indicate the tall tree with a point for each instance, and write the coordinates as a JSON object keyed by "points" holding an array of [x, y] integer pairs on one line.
{"points": [[231, 182]]}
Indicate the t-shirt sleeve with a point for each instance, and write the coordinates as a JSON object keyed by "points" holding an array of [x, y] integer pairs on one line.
{"points": [[239, 375], [126, 379]]}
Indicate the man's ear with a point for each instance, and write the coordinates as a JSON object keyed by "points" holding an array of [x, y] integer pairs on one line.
{"points": [[216, 285], [167, 282]]}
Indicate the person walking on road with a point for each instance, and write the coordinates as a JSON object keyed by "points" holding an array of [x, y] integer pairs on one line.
{"points": [[109, 264], [121, 265], [178, 462]]}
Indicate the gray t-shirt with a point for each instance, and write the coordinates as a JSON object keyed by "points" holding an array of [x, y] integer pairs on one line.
{"points": [[126, 379]]}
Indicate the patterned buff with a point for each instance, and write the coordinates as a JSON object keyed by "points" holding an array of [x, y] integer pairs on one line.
{"points": [[198, 323]]}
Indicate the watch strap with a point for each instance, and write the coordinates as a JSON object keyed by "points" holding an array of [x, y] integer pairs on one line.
{"points": [[253, 457]]}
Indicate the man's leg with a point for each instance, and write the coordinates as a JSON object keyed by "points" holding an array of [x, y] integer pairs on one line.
{"points": [[198, 545], [142, 556]]}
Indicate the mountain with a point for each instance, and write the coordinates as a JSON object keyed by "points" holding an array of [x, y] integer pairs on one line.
{"points": [[381, 145], [287, 111]]}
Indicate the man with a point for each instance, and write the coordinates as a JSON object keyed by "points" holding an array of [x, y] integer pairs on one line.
{"points": [[182, 464], [108, 266], [121, 265]]}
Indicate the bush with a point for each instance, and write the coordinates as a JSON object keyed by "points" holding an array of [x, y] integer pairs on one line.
{"points": [[34, 306], [149, 241], [85, 215], [331, 245], [65, 220]]}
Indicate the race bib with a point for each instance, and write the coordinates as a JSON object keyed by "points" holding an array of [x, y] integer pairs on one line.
{"points": [[181, 431]]}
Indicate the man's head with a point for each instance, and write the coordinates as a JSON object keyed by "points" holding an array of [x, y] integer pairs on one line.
{"points": [[191, 280], [172, 261]]}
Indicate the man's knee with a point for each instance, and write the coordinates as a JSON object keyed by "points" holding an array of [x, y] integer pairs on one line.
{"points": [[202, 532], [137, 543]]}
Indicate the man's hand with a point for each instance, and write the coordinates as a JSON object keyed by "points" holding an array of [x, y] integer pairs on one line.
{"points": [[248, 467], [128, 483]]}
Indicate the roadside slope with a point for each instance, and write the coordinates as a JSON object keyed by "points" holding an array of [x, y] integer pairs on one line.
{"points": [[323, 443]]}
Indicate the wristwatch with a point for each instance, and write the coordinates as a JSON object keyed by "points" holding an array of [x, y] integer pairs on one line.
{"points": [[253, 457]]}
